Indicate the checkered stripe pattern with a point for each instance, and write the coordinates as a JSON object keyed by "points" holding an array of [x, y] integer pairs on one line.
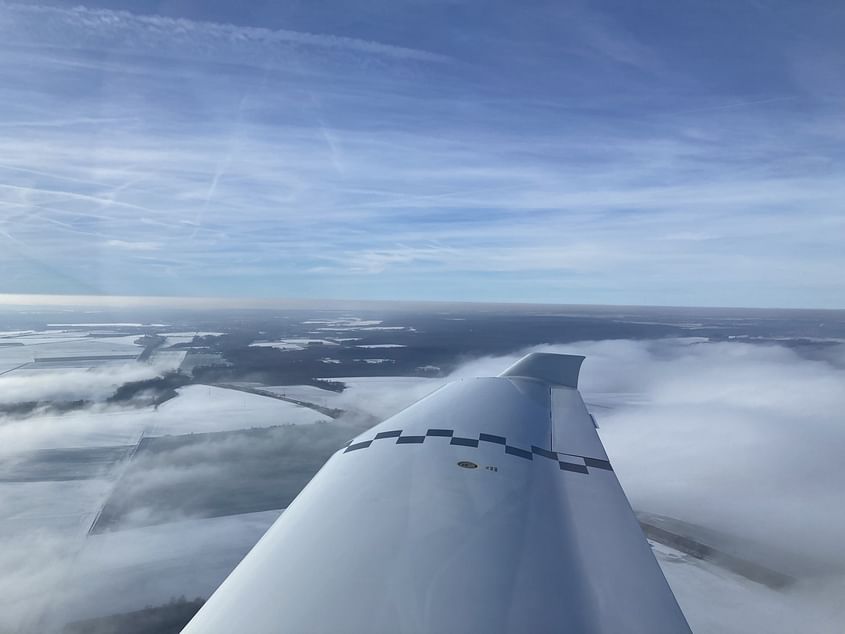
{"points": [[567, 462]]}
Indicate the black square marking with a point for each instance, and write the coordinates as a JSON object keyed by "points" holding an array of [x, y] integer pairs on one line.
{"points": [[571, 458], [543, 452], [358, 445], [577, 468], [408, 440], [576, 461], [566, 462], [518, 452], [598, 464]]}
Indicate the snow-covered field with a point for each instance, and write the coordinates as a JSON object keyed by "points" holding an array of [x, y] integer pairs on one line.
{"points": [[173, 338], [52, 571], [383, 396], [197, 409], [714, 456], [377, 396], [366, 328], [308, 393], [297, 343], [51, 349], [348, 322], [202, 408], [280, 345]]}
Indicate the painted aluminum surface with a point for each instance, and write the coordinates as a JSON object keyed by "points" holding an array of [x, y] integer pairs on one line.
{"points": [[488, 506]]}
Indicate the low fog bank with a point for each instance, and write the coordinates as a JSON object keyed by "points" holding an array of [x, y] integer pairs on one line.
{"points": [[75, 384], [734, 436], [742, 438], [746, 439], [208, 475], [59, 471]]}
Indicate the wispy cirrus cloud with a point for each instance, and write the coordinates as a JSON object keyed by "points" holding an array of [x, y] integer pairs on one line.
{"points": [[134, 246], [90, 28], [265, 161]]}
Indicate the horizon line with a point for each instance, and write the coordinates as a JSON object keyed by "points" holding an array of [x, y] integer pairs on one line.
{"points": [[269, 303]]}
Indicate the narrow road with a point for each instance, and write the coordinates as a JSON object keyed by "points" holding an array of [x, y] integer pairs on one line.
{"points": [[15, 368]]}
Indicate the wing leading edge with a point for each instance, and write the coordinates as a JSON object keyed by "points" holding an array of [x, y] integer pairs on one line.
{"points": [[489, 505]]}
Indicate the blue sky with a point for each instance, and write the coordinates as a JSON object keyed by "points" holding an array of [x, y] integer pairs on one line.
{"points": [[674, 153]]}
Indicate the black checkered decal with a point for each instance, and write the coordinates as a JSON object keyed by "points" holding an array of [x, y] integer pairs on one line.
{"points": [[567, 462]]}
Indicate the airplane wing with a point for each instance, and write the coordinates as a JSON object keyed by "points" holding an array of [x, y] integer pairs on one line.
{"points": [[488, 506]]}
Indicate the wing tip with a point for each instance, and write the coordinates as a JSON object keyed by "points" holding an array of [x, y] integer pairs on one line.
{"points": [[552, 368]]}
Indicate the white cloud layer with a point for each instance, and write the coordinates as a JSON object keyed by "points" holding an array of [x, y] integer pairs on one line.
{"points": [[80, 27], [745, 439], [71, 385], [741, 438]]}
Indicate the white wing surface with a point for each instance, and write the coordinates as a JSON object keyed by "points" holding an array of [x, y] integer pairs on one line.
{"points": [[488, 506]]}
